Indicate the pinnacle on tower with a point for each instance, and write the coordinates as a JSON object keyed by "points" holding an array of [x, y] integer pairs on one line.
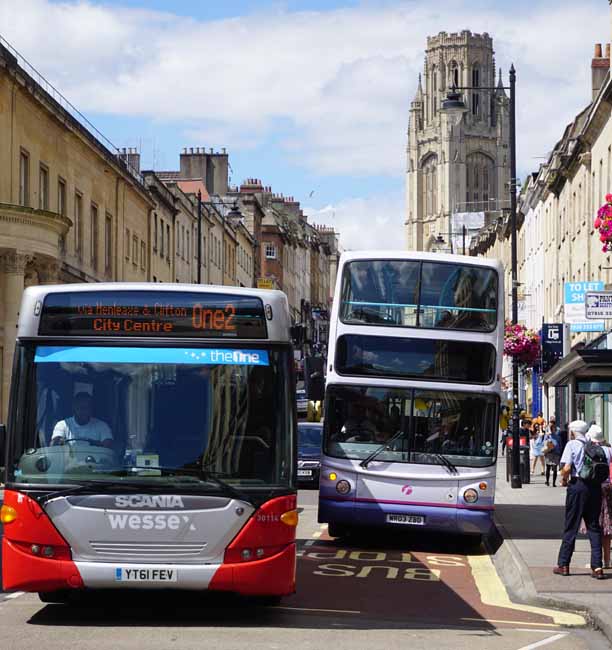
{"points": [[500, 85], [417, 102]]}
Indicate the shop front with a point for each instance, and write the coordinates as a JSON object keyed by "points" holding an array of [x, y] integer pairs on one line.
{"points": [[579, 386]]}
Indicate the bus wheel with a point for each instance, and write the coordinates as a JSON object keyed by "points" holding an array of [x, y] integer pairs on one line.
{"points": [[337, 530], [61, 597]]}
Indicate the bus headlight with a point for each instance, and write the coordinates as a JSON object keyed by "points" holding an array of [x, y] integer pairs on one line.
{"points": [[343, 487], [470, 496]]}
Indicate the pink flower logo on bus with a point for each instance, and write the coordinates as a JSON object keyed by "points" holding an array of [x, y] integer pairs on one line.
{"points": [[407, 490]]}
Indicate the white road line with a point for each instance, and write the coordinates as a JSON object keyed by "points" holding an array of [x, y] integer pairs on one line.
{"points": [[313, 609], [16, 594], [544, 642]]}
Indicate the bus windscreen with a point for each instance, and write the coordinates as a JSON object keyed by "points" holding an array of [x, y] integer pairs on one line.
{"points": [[153, 313]]}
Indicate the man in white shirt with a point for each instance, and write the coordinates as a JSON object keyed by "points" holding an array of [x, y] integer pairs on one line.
{"points": [[82, 426], [583, 500], [357, 427]]}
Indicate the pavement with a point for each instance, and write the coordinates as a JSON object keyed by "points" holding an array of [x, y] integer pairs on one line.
{"points": [[530, 523]]}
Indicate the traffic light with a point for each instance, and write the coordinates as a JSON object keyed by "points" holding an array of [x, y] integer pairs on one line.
{"points": [[314, 379]]}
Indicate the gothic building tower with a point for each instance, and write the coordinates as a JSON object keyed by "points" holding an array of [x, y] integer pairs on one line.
{"points": [[458, 160]]}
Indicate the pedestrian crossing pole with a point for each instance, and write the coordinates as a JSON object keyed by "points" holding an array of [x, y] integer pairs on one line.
{"points": [[515, 480]]}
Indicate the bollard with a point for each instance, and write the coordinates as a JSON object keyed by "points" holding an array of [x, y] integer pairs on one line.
{"points": [[525, 469]]}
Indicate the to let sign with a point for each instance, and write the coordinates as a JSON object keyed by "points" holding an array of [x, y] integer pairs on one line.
{"points": [[598, 304], [574, 307]]}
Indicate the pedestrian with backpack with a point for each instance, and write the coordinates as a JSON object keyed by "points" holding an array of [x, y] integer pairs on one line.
{"points": [[585, 465]]}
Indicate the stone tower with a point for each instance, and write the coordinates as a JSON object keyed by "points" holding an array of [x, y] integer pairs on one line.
{"points": [[458, 162]]}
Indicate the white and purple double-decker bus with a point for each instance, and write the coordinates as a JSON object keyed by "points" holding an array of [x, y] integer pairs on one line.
{"points": [[413, 393]]}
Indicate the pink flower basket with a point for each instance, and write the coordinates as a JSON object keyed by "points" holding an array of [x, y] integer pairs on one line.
{"points": [[522, 344], [603, 224]]}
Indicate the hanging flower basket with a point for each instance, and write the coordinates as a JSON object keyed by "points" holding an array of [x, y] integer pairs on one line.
{"points": [[603, 223], [522, 343]]}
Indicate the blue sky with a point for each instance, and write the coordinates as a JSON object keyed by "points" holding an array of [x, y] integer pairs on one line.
{"points": [[311, 97]]}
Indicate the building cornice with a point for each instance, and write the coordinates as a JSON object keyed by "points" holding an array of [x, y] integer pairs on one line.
{"points": [[10, 64]]}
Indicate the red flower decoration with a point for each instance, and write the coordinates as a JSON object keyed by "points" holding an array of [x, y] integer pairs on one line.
{"points": [[603, 224], [521, 343]]}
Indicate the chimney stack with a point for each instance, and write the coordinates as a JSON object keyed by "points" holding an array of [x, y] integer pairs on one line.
{"points": [[600, 66], [131, 156]]}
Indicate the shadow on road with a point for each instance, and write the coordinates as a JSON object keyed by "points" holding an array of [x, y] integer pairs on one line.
{"points": [[392, 580], [531, 521]]}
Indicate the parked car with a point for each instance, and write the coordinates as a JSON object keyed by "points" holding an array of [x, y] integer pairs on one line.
{"points": [[309, 453], [302, 402]]}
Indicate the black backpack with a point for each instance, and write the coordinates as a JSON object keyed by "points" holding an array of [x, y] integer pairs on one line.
{"points": [[596, 468]]}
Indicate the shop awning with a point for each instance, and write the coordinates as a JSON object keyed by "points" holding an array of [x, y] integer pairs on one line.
{"points": [[580, 364]]}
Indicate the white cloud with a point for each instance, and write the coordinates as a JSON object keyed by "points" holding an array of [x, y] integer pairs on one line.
{"points": [[366, 222], [340, 81]]}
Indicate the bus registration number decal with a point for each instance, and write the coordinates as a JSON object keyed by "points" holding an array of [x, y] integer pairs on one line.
{"points": [[414, 520], [145, 575]]}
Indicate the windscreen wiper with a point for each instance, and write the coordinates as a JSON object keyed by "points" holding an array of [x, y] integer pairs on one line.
{"points": [[444, 460], [224, 485], [196, 472], [366, 461], [86, 487]]}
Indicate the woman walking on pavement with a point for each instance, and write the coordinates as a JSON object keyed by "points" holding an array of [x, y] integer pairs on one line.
{"points": [[552, 454], [536, 444], [605, 518]]}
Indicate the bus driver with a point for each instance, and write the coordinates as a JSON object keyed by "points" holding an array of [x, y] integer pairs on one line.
{"points": [[82, 426]]}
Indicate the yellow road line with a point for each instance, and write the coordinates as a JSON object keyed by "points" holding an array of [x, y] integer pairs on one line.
{"points": [[493, 592], [317, 534], [493, 620]]}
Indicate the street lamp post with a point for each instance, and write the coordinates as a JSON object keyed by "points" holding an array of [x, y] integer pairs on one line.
{"points": [[516, 481], [234, 213], [199, 274], [452, 104]]}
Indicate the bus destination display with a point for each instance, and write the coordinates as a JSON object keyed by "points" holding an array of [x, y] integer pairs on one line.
{"points": [[153, 313]]}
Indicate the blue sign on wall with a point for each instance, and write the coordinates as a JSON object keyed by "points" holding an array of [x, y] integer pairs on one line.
{"points": [[552, 344], [536, 392]]}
